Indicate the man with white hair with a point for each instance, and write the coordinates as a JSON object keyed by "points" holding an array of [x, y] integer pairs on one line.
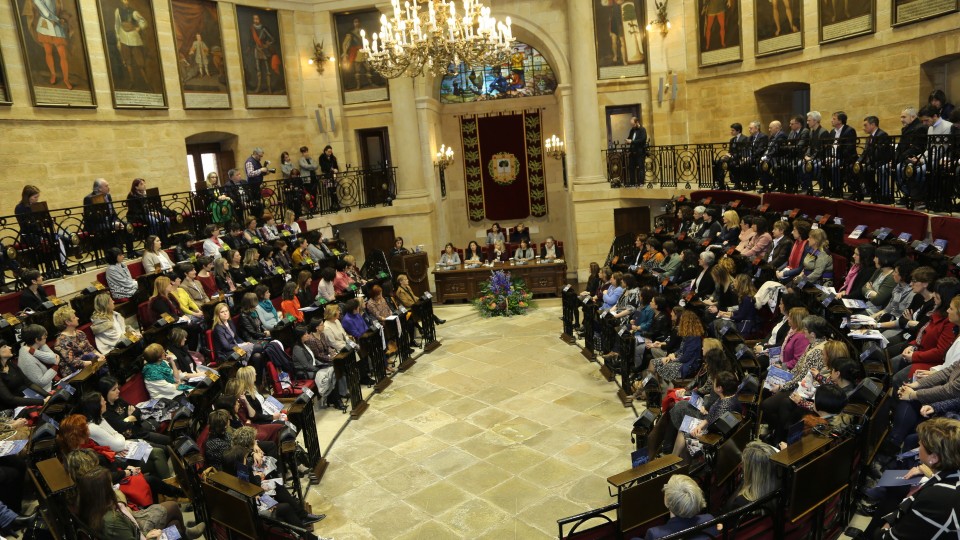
{"points": [[684, 499], [813, 159], [100, 219], [912, 143]]}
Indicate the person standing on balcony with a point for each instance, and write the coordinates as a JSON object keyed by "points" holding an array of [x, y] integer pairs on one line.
{"points": [[330, 169], [638, 152]]}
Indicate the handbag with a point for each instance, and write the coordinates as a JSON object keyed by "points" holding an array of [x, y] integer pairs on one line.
{"points": [[137, 490]]}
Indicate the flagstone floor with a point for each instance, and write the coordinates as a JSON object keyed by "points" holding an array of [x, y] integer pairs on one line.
{"points": [[496, 434]]}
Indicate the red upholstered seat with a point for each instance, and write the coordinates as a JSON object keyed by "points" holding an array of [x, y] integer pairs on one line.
{"points": [[202, 439], [136, 269], [297, 385], [10, 303], [85, 328], [135, 390], [144, 315], [747, 200], [208, 335], [839, 269]]}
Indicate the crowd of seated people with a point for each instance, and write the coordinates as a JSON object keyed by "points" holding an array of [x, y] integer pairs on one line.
{"points": [[793, 159], [809, 337], [501, 245], [201, 304]]}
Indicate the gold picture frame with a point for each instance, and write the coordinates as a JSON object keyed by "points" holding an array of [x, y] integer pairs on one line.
{"points": [[132, 51]]}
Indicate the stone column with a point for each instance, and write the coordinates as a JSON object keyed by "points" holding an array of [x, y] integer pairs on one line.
{"points": [[585, 138], [406, 140]]}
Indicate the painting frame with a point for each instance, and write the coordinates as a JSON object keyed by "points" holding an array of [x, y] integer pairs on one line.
{"points": [[766, 44], [45, 95], [5, 97], [606, 16], [725, 54], [195, 99], [895, 20], [270, 21], [835, 30], [377, 87], [150, 92]]}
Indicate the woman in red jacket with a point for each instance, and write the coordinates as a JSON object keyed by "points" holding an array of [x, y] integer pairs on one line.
{"points": [[930, 346]]}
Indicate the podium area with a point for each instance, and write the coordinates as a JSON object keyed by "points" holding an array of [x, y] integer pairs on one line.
{"points": [[462, 283]]}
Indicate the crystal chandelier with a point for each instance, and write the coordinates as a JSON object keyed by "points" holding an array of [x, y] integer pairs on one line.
{"points": [[415, 39]]}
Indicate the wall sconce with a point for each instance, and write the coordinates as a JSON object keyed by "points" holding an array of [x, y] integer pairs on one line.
{"points": [[661, 18], [318, 56], [555, 150], [443, 159]]}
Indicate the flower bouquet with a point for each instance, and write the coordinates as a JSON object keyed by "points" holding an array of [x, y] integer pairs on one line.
{"points": [[503, 296]]}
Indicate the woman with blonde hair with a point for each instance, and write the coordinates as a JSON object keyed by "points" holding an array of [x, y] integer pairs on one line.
{"points": [[290, 223], [169, 299], [73, 348], [817, 261], [107, 325], [760, 476], [333, 330], [730, 231]]}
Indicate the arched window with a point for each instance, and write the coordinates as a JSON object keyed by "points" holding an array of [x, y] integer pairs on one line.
{"points": [[527, 73]]}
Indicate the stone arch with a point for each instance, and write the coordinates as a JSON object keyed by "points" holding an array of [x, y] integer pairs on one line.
{"points": [[781, 101]]}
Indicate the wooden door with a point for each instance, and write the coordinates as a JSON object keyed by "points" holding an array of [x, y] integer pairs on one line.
{"points": [[377, 238], [374, 148], [631, 220]]}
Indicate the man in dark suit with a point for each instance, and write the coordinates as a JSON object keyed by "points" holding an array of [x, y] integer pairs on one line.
{"points": [[770, 161], [756, 146], [874, 163], [841, 154], [796, 146], [638, 152], [100, 218], [813, 157], [913, 141], [737, 143], [781, 245]]}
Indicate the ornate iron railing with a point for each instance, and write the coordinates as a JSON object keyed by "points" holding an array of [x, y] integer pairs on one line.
{"points": [[74, 237], [914, 169]]}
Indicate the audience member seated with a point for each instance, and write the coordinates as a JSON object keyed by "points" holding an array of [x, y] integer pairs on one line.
{"points": [[377, 306], [290, 305], [780, 246], [859, 274], [744, 315], [127, 419], [266, 311], [38, 363], [107, 325], [342, 282], [731, 234], [222, 277], [154, 257], [243, 460], [703, 284], [306, 366], [613, 293], [930, 511], [251, 264], [352, 321], [352, 271], [670, 265], [902, 295], [758, 244], [801, 235], [161, 374], [92, 406], [177, 346], [119, 280], [13, 382], [760, 476], [184, 250], [881, 283], [226, 340], [195, 290], [281, 255], [235, 267], [212, 245], [686, 361], [166, 300], [33, 296], [725, 387], [338, 338], [71, 346], [933, 339], [922, 283], [304, 288], [684, 499], [325, 290]]}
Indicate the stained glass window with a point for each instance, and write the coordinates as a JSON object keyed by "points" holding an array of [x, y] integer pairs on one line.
{"points": [[526, 74]]}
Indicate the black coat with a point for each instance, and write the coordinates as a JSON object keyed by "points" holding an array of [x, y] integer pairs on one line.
{"points": [[780, 253], [706, 287], [878, 149], [251, 329]]}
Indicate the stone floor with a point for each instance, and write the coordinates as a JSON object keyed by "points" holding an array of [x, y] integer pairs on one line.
{"points": [[496, 434]]}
